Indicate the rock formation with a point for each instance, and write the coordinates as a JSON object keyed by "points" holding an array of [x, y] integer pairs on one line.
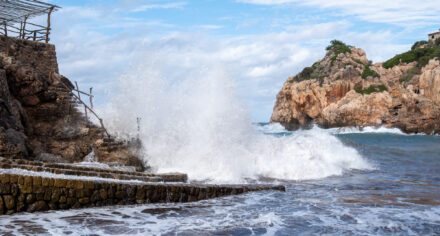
{"points": [[345, 89], [39, 119]]}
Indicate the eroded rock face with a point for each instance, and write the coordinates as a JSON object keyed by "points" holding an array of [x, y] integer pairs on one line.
{"points": [[338, 93], [39, 116]]}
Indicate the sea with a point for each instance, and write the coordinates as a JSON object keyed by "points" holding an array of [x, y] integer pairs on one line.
{"points": [[342, 181]]}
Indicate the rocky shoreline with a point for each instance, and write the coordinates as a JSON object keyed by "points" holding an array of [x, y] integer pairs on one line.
{"points": [[345, 89]]}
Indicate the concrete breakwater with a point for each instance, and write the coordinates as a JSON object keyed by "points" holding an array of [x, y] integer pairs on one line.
{"points": [[36, 193]]}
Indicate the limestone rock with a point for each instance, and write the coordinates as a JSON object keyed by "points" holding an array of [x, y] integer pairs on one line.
{"points": [[337, 91]]}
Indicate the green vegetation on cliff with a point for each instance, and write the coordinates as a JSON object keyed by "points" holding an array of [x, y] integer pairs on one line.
{"points": [[315, 71], [338, 47], [419, 54], [369, 72], [372, 89]]}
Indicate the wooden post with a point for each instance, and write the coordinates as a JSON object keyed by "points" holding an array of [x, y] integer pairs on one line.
{"points": [[24, 27], [79, 96], [138, 121], [48, 24], [35, 35], [21, 29], [91, 98], [6, 39]]}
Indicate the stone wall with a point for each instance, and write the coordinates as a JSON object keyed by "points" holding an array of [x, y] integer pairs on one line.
{"points": [[20, 193]]}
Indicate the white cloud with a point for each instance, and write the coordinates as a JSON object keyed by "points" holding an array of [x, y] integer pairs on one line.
{"points": [[402, 12], [210, 26], [259, 64], [159, 6]]}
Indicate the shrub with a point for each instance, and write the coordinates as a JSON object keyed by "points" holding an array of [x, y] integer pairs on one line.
{"points": [[357, 61], [369, 72], [372, 89], [338, 47], [437, 42], [418, 44], [420, 55]]}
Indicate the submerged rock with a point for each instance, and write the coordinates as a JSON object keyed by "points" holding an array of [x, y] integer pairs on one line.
{"points": [[345, 89]]}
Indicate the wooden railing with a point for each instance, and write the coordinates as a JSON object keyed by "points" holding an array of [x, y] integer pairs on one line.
{"points": [[78, 98]]}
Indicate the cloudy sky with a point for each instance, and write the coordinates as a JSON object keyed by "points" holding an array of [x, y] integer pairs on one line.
{"points": [[259, 42]]}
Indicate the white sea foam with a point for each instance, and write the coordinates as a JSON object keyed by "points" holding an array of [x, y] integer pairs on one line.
{"points": [[368, 129], [192, 122]]}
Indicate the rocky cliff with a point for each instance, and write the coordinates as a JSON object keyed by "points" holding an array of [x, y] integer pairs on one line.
{"points": [[345, 89], [39, 118]]}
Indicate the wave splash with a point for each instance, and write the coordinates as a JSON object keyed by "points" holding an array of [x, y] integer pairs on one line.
{"points": [[193, 122]]}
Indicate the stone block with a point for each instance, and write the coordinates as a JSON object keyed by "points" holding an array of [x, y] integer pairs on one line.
{"points": [[39, 196], [9, 202], [4, 178], [63, 199], [5, 189], [25, 189], [89, 184], [53, 206], [30, 198], [56, 193], [36, 180], [60, 183], [14, 190], [45, 182], [79, 184], [28, 181], [2, 206], [103, 194], [51, 182], [84, 200], [70, 201], [70, 184], [38, 206], [13, 179], [120, 194], [38, 189]]}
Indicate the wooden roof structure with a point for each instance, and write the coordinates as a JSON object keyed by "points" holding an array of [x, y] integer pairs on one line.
{"points": [[15, 15]]}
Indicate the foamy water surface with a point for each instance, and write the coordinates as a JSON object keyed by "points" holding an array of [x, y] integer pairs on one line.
{"points": [[401, 196]]}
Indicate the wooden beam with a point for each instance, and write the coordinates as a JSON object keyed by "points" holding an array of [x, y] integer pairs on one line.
{"points": [[24, 27], [91, 97]]}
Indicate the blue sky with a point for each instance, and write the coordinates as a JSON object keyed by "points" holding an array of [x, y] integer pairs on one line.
{"points": [[260, 42]]}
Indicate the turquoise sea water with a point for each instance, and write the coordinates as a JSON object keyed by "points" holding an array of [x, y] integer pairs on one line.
{"points": [[400, 196]]}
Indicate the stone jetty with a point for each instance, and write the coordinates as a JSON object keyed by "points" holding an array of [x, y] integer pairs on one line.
{"points": [[30, 186]]}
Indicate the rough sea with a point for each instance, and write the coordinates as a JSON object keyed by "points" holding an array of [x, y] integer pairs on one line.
{"points": [[381, 182]]}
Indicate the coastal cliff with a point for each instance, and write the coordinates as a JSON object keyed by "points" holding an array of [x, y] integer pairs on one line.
{"points": [[39, 117], [346, 89]]}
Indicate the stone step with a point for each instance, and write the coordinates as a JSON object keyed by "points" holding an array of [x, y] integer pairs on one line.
{"points": [[172, 177], [81, 173]]}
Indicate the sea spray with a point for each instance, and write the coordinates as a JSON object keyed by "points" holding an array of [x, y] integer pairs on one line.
{"points": [[193, 122]]}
